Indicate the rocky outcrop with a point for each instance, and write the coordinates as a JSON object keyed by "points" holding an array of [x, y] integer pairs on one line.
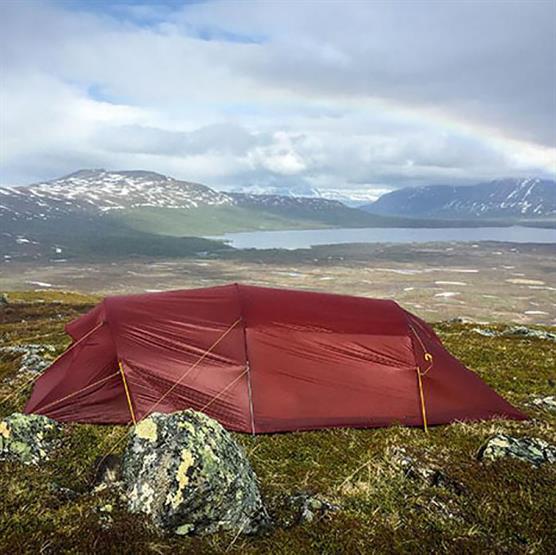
{"points": [[523, 331], [545, 403], [27, 438], [532, 450], [517, 331], [34, 357], [189, 476]]}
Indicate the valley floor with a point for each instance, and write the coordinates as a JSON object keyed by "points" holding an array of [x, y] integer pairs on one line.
{"points": [[500, 282]]}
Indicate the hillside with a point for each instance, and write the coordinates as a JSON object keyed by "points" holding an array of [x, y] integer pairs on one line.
{"points": [[100, 213], [504, 198], [155, 203], [125, 213], [506, 506]]}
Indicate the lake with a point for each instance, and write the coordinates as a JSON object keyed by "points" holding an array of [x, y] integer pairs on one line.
{"points": [[305, 238]]}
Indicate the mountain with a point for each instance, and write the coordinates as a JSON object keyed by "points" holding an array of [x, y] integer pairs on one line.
{"points": [[503, 198], [352, 197], [296, 190], [139, 212], [97, 191], [122, 213]]}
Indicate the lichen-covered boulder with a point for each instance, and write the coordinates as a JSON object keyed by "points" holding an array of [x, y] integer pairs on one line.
{"points": [[529, 449], [27, 438], [190, 477]]}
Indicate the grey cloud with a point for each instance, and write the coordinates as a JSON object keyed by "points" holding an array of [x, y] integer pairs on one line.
{"points": [[219, 138], [336, 93], [491, 61]]}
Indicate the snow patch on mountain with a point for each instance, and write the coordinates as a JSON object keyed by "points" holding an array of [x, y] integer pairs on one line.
{"points": [[346, 195], [104, 191], [526, 198]]}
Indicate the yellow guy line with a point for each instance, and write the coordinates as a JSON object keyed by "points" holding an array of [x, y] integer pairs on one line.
{"points": [[119, 441], [34, 378], [199, 360], [56, 401], [128, 397]]}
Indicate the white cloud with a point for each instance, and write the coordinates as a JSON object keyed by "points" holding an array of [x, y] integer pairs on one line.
{"points": [[376, 94]]}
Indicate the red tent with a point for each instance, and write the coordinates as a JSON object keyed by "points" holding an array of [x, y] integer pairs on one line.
{"points": [[260, 360]]}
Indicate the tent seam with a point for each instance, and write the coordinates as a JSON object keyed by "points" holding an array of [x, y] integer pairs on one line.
{"points": [[250, 390]]}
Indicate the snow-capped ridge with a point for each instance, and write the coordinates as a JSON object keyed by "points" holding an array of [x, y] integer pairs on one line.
{"points": [[530, 197], [102, 191]]}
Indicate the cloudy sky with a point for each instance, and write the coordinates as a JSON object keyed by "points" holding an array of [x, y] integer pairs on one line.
{"points": [[347, 95]]}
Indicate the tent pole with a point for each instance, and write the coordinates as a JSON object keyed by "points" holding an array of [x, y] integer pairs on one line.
{"points": [[128, 396], [422, 398]]}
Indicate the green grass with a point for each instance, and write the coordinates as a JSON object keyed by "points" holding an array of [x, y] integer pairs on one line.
{"points": [[217, 220], [208, 220], [505, 507]]}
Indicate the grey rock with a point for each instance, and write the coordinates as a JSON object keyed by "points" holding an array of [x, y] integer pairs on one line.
{"points": [[523, 331], [517, 331], [546, 403], [532, 450], [189, 476], [293, 509], [486, 332], [461, 320], [27, 438], [62, 492], [427, 474], [107, 473], [307, 507], [33, 356]]}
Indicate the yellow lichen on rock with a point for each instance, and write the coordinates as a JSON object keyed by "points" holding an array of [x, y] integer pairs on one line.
{"points": [[182, 478], [146, 429], [4, 430]]}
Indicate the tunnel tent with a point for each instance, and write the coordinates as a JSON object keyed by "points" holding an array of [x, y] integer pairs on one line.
{"points": [[259, 360]]}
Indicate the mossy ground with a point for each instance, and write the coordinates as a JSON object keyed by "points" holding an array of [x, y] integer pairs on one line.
{"points": [[505, 507]]}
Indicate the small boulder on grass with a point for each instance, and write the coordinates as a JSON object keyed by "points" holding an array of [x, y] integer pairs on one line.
{"points": [[187, 473], [27, 438], [547, 403], [524, 331], [422, 472], [308, 507], [529, 449]]}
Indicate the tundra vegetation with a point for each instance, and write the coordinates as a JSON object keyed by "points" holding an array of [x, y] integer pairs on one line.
{"points": [[397, 489]]}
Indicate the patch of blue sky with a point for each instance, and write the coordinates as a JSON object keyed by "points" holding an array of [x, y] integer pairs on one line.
{"points": [[214, 33], [145, 13], [151, 13], [97, 91]]}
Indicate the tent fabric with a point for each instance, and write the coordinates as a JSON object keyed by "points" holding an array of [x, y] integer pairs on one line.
{"points": [[260, 360]]}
